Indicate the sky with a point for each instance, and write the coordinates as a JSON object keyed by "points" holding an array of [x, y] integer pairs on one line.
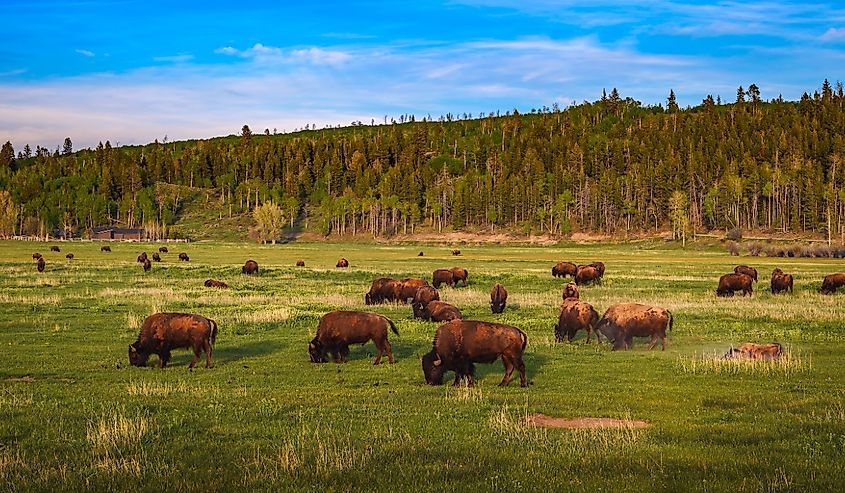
{"points": [[134, 71]]}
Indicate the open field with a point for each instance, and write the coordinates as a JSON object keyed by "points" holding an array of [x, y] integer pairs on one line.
{"points": [[75, 416]]}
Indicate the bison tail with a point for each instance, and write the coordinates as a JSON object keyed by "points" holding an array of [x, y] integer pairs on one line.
{"points": [[524, 339], [392, 326], [213, 331], [671, 319]]}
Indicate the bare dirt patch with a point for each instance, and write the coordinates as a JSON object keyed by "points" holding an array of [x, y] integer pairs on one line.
{"points": [[544, 421], [25, 378]]}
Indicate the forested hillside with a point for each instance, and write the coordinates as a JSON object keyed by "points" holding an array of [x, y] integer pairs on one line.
{"points": [[611, 166]]}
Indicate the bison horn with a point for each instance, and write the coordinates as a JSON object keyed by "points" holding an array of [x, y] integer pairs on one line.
{"points": [[132, 348], [311, 345], [437, 362]]}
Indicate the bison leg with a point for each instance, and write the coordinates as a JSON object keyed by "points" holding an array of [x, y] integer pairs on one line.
{"points": [[590, 334], [389, 349], [197, 351], [652, 342], [558, 335], [520, 367], [508, 371], [343, 352], [663, 342], [208, 349], [163, 358]]}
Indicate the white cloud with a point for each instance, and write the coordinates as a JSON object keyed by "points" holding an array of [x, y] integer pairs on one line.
{"points": [[322, 57], [181, 58], [226, 50], [261, 53], [86, 53], [833, 34]]}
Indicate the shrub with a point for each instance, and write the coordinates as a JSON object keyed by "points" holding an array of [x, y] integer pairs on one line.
{"points": [[732, 247], [734, 234], [755, 248]]}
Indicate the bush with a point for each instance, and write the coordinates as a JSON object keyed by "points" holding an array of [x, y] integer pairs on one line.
{"points": [[733, 248], [755, 248], [734, 234]]}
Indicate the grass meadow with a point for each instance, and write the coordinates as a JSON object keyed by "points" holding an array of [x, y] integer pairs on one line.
{"points": [[75, 416]]}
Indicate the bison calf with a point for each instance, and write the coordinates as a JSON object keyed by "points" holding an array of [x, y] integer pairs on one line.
{"points": [[162, 332], [459, 344], [576, 315], [250, 267], [734, 282], [498, 298], [339, 329], [622, 322], [440, 311]]}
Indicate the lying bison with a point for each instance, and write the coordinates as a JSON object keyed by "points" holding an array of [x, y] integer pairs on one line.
{"points": [[587, 274], [105, 248], [342, 263], [40, 265], [734, 282], [212, 283], [339, 329], [576, 315], [563, 269], [55, 248], [420, 254], [147, 264], [440, 311], [622, 322], [456, 252], [69, 256], [748, 271], [156, 257], [250, 267], [571, 291], [459, 344], [184, 257], [441, 276], [749, 350], [498, 298], [781, 283], [422, 298], [162, 332], [459, 274], [300, 263], [832, 282], [162, 249]]}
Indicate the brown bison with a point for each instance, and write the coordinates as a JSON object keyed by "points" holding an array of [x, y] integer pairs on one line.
{"points": [[734, 282], [55, 248], [409, 288], [749, 350], [147, 264], [459, 274], [162, 249], [441, 276], [250, 267], [781, 283], [574, 316], [459, 344], [300, 263], [422, 298], [184, 257], [563, 269], [571, 291], [599, 267], [162, 332], [69, 256], [142, 258], [748, 271], [456, 252], [498, 298], [212, 283], [587, 274], [832, 282], [36, 256], [342, 263], [383, 289], [41, 264], [105, 248], [440, 311], [339, 329], [156, 257], [622, 322], [420, 254]]}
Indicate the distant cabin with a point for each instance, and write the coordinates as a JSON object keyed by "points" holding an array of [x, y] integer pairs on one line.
{"points": [[110, 233]]}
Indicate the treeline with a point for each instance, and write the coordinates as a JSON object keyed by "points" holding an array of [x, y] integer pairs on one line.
{"points": [[612, 166]]}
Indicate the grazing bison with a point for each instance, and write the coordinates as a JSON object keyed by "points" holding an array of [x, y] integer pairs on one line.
{"points": [[156, 257], [250, 267], [734, 282], [563, 269], [574, 316], [142, 258], [622, 322], [383, 289], [147, 264], [781, 283], [748, 271], [459, 344], [749, 350], [422, 298], [55, 248], [441, 276], [105, 248], [456, 252], [162, 249], [571, 291], [339, 329], [212, 283], [420, 254], [587, 274], [36, 256], [409, 288], [184, 257], [459, 274], [162, 332], [440, 311], [832, 282], [300, 263], [599, 267], [69, 256], [498, 298], [41, 264], [342, 263]]}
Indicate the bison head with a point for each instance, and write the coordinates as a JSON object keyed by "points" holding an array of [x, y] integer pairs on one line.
{"points": [[137, 357], [317, 352], [433, 368], [368, 299]]}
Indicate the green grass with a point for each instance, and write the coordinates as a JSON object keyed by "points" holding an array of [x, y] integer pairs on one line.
{"points": [[74, 415]]}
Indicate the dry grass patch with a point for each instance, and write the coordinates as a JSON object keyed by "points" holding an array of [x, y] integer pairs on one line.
{"points": [[115, 431], [166, 389], [540, 419], [790, 362]]}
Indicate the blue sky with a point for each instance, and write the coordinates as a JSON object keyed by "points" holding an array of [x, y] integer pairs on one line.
{"points": [[131, 72]]}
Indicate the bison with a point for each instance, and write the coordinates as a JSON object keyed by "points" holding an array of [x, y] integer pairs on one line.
{"points": [[156, 257], [184, 257], [36, 256], [571, 291], [250, 267], [459, 344], [55, 248], [781, 283], [563, 269], [456, 252], [41, 264], [749, 350], [748, 271], [498, 298], [142, 258], [734, 282], [574, 316], [105, 248], [409, 288], [162, 332], [441, 276], [420, 254], [342, 263], [300, 263], [69, 256], [599, 267], [383, 289], [832, 282], [422, 298], [459, 274], [622, 322], [587, 274], [440, 311], [339, 329], [212, 283], [162, 249], [147, 264]]}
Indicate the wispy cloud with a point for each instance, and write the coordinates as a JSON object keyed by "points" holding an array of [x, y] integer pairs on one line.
{"points": [[86, 53], [13, 72], [270, 54], [180, 58], [833, 35]]}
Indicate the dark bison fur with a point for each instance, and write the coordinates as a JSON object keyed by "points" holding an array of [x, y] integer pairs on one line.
{"points": [[141, 258], [184, 257], [55, 248], [156, 257], [563, 269], [41, 264], [36, 256], [105, 248], [735, 282], [571, 291], [300, 263], [69, 256], [147, 264], [422, 298], [599, 267], [456, 252], [339, 329], [250, 267], [748, 271], [162, 249], [342, 263], [162, 332], [498, 298]]}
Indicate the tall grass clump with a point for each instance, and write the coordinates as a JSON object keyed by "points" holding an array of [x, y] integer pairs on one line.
{"points": [[790, 362]]}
